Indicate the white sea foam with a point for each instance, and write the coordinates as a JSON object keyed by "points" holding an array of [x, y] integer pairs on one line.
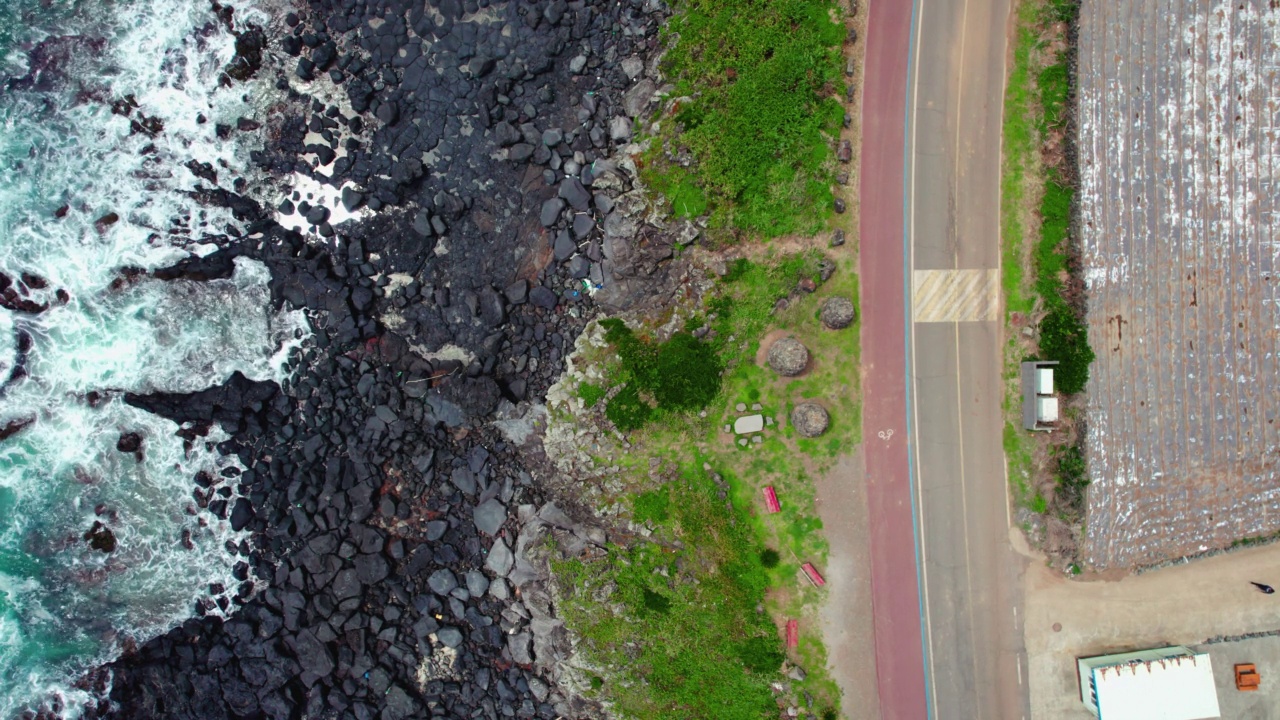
{"points": [[63, 605]]}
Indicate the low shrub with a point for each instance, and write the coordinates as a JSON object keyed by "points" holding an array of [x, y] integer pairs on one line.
{"points": [[686, 373], [656, 602], [681, 374], [1055, 225], [627, 410], [1072, 477], [1064, 337], [769, 558]]}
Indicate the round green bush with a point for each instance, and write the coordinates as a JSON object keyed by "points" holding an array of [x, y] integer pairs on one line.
{"points": [[1063, 337], [769, 558], [687, 373], [761, 654]]}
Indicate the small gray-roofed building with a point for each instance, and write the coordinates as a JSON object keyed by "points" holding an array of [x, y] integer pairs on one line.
{"points": [[1039, 403]]}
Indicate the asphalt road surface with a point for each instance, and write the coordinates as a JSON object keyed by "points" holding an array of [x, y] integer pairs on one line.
{"points": [[945, 580], [970, 573]]}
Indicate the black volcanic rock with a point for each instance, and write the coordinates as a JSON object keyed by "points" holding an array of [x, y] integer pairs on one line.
{"points": [[436, 306]]}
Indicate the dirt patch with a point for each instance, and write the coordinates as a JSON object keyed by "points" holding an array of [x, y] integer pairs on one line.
{"points": [[845, 615], [762, 354]]}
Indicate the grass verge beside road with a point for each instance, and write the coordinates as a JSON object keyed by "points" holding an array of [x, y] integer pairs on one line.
{"points": [[1044, 296], [683, 616], [749, 138]]}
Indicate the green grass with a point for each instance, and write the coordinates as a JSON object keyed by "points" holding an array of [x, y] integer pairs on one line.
{"points": [[1037, 98], [651, 506], [1019, 149], [679, 625], [745, 298], [764, 80], [1253, 540], [1039, 504], [590, 393], [1055, 90], [676, 648], [1017, 453], [1035, 101]]}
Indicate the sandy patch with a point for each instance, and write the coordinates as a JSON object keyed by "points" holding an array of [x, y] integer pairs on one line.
{"points": [[1183, 604], [845, 615]]}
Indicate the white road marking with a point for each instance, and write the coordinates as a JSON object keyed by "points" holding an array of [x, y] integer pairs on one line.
{"points": [[964, 513], [959, 295], [911, 250]]}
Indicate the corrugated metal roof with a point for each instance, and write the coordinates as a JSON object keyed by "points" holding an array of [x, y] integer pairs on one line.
{"points": [[1177, 688]]}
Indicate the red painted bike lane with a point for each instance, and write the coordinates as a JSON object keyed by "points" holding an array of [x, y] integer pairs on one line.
{"points": [[900, 668]]}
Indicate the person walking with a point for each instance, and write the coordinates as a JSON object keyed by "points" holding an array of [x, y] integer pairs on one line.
{"points": [[1265, 589]]}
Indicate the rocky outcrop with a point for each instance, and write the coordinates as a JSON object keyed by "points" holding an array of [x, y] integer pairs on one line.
{"points": [[810, 419], [392, 567], [788, 357], [837, 313]]}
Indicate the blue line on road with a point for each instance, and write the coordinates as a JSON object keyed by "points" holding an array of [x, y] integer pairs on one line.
{"points": [[906, 319]]}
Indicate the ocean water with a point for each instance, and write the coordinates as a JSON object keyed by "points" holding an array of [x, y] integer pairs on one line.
{"points": [[65, 606]]}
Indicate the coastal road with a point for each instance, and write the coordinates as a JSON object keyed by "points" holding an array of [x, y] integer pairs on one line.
{"points": [[935, 465], [970, 573]]}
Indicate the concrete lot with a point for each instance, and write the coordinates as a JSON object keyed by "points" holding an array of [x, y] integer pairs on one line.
{"points": [[1263, 652], [1187, 604]]}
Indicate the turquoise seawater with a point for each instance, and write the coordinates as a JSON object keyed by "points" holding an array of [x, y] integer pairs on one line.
{"points": [[64, 605]]}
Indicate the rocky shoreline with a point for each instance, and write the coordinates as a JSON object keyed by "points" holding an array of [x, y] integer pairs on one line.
{"points": [[391, 489]]}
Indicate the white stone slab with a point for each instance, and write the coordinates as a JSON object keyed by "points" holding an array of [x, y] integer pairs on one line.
{"points": [[748, 424]]}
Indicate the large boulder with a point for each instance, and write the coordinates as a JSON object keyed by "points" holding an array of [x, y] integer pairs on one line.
{"points": [[837, 312], [810, 419], [788, 356]]}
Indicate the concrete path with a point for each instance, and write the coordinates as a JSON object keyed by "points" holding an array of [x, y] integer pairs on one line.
{"points": [[895, 593], [1180, 605], [846, 626]]}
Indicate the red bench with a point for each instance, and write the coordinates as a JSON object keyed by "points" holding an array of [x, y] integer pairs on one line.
{"points": [[771, 500], [814, 576]]}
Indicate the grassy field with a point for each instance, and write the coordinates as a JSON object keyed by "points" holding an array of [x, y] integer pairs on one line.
{"points": [[762, 89], [1035, 229], [719, 654], [687, 623]]}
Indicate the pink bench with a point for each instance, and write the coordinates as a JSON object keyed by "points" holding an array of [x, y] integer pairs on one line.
{"points": [[771, 500], [814, 576]]}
